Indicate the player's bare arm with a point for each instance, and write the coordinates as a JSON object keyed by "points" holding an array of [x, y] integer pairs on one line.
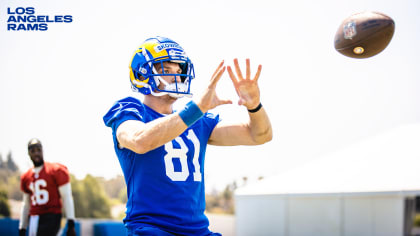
{"points": [[142, 137], [258, 129]]}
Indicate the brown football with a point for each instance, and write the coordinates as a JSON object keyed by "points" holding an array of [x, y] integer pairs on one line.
{"points": [[364, 34]]}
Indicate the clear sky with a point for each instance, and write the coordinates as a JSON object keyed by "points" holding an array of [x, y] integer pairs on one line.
{"points": [[56, 85]]}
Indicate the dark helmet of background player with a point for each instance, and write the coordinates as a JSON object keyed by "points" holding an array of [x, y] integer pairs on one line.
{"points": [[35, 152]]}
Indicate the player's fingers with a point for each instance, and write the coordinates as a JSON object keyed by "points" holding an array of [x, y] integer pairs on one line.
{"points": [[220, 65], [232, 75], [237, 68], [248, 69], [224, 101], [257, 75], [216, 77]]}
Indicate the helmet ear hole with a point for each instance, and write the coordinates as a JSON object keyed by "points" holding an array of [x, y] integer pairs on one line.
{"points": [[138, 75]]}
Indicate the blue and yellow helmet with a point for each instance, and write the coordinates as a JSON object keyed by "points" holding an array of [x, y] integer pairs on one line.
{"points": [[143, 75]]}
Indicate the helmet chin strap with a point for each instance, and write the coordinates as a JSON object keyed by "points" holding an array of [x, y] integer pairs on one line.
{"points": [[168, 87], [175, 87]]}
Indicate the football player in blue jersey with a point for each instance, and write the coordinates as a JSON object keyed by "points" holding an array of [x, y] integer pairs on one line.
{"points": [[161, 151]]}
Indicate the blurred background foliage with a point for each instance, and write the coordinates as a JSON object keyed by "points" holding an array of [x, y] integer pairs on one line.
{"points": [[95, 197]]}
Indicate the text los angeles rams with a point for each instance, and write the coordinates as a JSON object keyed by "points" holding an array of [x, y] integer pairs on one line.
{"points": [[24, 19]]}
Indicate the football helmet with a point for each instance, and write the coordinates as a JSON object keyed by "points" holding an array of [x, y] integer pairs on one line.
{"points": [[145, 78]]}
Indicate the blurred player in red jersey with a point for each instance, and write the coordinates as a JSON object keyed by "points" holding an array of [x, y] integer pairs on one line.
{"points": [[46, 188]]}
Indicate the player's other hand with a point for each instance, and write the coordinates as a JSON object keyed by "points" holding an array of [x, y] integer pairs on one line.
{"points": [[22, 232], [209, 98], [246, 87], [71, 231]]}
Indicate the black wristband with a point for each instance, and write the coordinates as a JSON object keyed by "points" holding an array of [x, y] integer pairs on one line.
{"points": [[255, 109], [70, 223]]}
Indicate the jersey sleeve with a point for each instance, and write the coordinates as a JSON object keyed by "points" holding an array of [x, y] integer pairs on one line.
{"points": [[209, 122], [61, 174], [23, 183], [125, 109]]}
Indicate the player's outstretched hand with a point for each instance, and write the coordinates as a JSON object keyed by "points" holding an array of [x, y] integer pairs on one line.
{"points": [[209, 98], [246, 87]]}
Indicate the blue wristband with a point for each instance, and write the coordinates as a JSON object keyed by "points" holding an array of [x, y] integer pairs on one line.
{"points": [[191, 113]]}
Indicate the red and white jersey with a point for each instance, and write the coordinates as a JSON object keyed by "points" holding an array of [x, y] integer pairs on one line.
{"points": [[43, 187]]}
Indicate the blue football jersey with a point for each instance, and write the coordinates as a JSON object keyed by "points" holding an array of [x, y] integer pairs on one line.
{"points": [[165, 186]]}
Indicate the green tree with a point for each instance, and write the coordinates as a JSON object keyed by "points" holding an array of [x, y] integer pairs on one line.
{"points": [[113, 186], [98, 201], [90, 199], [2, 164], [10, 178], [122, 196], [13, 187], [4, 204], [10, 163], [78, 192]]}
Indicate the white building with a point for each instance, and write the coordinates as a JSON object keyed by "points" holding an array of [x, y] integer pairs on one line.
{"points": [[366, 189]]}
